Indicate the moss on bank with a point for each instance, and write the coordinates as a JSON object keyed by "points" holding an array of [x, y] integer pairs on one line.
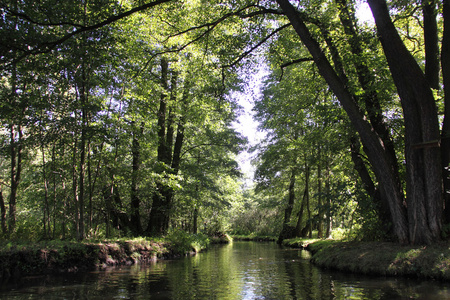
{"points": [[25, 259], [382, 258]]}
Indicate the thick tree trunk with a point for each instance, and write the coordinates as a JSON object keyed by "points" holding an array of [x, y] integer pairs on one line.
{"points": [[423, 164], [445, 134], [159, 214], [376, 152]]}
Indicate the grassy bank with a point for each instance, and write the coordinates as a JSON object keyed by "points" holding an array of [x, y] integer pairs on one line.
{"points": [[253, 237], [26, 258], [380, 258]]}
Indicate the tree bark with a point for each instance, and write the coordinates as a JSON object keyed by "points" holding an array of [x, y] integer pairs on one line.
{"points": [[298, 227], [423, 164], [3, 211], [158, 218], [445, 134], [135, 221], [319, 194], [286, 231], [16, 170], [430, 30]]}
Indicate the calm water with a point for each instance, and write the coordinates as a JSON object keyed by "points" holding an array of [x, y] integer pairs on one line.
{"points": [[242, 270]]}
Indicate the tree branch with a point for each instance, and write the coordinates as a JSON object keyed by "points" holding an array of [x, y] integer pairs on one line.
{"points": [[295, 61], [48, 46], [243, 55]]}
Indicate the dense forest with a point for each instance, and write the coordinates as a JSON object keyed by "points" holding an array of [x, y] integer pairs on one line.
{"points": [[118, 118]]}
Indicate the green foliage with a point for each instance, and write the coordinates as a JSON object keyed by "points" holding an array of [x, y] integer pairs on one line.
{"points": [[183, 242]]}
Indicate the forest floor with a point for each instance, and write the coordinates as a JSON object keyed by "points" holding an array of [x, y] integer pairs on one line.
{"points": [[19, 259], [380, 258]]}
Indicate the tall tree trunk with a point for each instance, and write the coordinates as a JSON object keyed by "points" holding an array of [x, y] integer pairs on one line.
{"points": [[135, 201], [286, 231], [319, 194], [158, 212], [75, 187], [430, 30], [16, 170], [298, 227], [445, 134], [82, 165], [423, 163], [90, 184], [195, 221], [3, 211], [46, 215], [375, 150], [328, 192]]}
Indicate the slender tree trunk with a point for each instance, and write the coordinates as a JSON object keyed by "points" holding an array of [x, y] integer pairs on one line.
{"points": [[46, 218], [310, 223], [75, 188], [54, 189], [319, 194], [81, 170], [381, 206], [16, 168], [328, 197], [298, 227], [286, 231], [135, 200], [195, 221], [90, 185], [3, 211]]}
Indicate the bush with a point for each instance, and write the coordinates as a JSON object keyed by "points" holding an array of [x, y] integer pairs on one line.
{"points": [[183, 242]]}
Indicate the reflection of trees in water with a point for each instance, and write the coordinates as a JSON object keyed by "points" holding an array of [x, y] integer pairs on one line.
{"points": [[243, 270]]}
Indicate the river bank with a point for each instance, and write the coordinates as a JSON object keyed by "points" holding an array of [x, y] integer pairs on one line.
{"points": [[52, 257], [380, 258]]}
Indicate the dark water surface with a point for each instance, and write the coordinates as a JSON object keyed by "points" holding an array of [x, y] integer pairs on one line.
{"points": [[241, 270]]}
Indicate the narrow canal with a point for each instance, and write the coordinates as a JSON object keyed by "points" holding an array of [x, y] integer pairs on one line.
{"points": [[241, 270]]}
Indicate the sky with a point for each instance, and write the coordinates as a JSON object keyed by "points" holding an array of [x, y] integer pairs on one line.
{"points": [[246, 125]]}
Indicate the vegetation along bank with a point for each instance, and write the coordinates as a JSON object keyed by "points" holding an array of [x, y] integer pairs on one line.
{"points": [[379, 258], [19, 260]]}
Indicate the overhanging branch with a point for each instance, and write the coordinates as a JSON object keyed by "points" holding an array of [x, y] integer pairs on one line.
{"points": [[48, 46]]}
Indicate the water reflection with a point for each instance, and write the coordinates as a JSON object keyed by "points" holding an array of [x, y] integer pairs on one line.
{"points": [[242, 270]]}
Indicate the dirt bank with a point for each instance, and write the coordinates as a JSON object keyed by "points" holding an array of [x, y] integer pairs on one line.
{"points": [[57, 257], [383, 258]]}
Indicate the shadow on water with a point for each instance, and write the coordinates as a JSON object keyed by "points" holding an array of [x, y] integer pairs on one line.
{"points": [[242, 270]]}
